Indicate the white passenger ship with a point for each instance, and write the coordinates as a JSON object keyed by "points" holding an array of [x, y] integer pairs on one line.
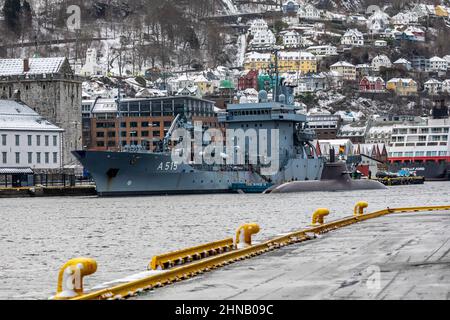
{"points": [[422, 148]]}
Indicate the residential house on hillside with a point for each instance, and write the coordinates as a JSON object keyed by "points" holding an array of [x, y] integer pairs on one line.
{"points": [[308, 12], [441, 11], [363, 70], [257, 26], [402, 87], [420, 63], [257, 61], [205, 86], [372, 84], [446, 86], [248, 81], [347, 70], [263, 39], [378, 22], [290, 6], [403, 63], [311, 83], [297, 61], [433, 87], [323, 51], [438, 64], [381, 61], [291, 39], [353, 37], [412, 33], [405, 18], [380, 43]]}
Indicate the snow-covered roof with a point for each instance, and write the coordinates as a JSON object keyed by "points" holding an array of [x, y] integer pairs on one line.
{"points": [[433, 81], [437, 59], [13, 67], [402, 61], [343, 64], [18, 116]]}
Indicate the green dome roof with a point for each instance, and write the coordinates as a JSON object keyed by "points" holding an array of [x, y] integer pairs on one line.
{"points": [[226, 84]]}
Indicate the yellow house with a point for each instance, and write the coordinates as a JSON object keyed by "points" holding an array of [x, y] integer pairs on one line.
{"points": [[402, 87], [205, 86], [257, 61], [297, 61], [441, 11]]}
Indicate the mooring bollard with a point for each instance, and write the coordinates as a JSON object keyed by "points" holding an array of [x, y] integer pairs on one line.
{"points": [[70, 278], [244, 235], [359, 208], [319, 216]]}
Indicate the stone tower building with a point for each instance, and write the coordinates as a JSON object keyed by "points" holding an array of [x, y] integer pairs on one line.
{"points": [[50, 86]]}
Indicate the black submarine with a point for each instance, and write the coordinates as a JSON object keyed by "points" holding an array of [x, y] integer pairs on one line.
{"points": [[335, 177]]}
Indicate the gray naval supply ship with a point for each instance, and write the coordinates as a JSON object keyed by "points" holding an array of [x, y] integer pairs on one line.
{"points": [[139, 172]]}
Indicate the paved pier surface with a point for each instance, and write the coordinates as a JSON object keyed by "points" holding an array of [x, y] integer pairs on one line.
{"points": [[410, 251]]}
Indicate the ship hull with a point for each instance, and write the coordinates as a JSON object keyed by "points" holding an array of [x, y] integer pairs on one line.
{"points": [[128, 174], [430, 170]]}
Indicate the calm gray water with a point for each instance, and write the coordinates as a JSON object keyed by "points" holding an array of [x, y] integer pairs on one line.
{"points": [[38, 235]]}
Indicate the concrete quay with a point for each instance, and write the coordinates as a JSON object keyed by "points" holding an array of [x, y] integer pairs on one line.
{"points": [[399, 256]]}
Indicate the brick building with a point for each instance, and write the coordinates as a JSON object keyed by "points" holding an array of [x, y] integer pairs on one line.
{"points": [[143, 121], [249, 81]]}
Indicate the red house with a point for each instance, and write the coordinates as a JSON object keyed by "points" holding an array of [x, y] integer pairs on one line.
{"points": [[249, 81], [372, 84]]}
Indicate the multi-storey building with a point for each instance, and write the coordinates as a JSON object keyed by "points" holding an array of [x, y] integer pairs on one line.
{"points": [[27, 141], [50, 87], [347, 70], [402, 87], [323, 51], [257, 61], [144, 122], [353, 38], [297, 61]]}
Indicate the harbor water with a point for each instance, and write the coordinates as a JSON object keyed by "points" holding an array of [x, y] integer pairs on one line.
{"points": [[38, 235]]}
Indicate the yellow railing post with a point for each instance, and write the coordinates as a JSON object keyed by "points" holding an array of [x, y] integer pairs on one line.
{"points": [[319, 216], [359, 208], [244, 234], [70, 278]]}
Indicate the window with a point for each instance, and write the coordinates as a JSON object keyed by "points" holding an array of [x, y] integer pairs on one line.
{"points": [[47, 157], [30, 140], [38, 140], [100, 134], [47, 142], [4, 157], [145, 124], [38, 157], [17, 140], [3, 139], [17, 157], [30, 157], [55, 157], [55, 141], [144, 133], [111, 134], [133, 124], [100, 143]]}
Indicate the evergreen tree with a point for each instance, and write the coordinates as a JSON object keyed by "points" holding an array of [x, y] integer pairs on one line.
{"points": [[26, 17], [11, 12]]}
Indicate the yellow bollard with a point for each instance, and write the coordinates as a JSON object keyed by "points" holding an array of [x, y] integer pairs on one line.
{"points": [[244, 235], [359, 208], [70, 278], [319, 216]]}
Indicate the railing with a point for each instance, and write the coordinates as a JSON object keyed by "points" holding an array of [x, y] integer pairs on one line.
{"points": [[85, 266]]}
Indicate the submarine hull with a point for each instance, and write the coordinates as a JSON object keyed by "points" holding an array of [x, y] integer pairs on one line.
{"points": [[334, 178]]}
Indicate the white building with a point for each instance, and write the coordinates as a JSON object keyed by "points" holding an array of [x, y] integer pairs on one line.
{"points": [[405, 18], [291, 39], [264, 38], [323, 51], [309, 12], [381, 61], [378, 22], [27, 140], [404, 63], [380, 43], [353, 37], [257, 26], [433, 86], [446, 86], [91, 67], [347, 70], [438, 64]]}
